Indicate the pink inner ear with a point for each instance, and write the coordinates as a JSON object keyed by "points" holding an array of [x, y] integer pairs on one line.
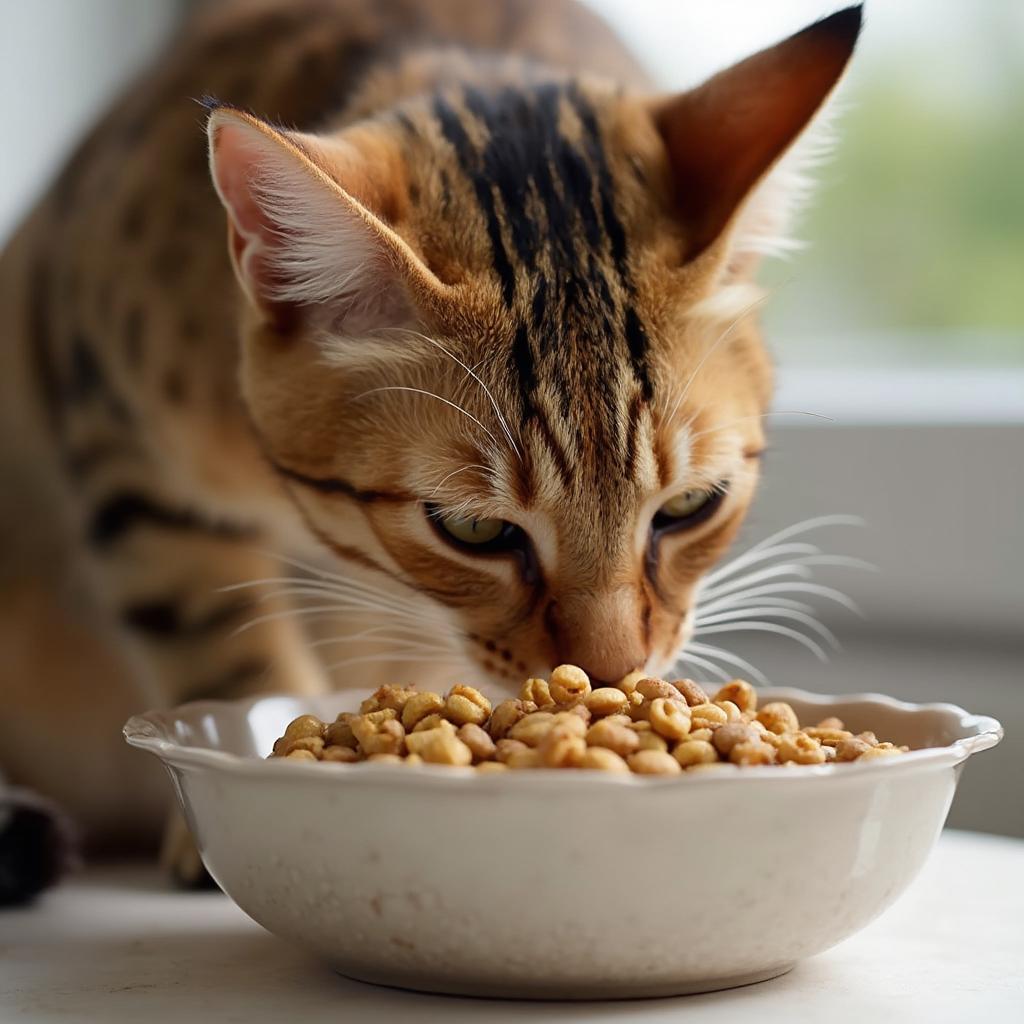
{"points": [[234, 162]]}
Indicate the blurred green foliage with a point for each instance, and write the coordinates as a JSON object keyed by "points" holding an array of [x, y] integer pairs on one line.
{"points": [[915, 232]]}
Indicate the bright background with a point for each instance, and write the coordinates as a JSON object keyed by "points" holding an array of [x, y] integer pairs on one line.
{"points": [[901, 323]]}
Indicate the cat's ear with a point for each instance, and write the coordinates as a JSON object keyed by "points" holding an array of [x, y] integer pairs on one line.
{"points": [[299, 237], [725, 136]]}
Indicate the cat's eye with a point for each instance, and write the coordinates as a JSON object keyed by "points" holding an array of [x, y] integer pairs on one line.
{"points": [[689, 508], [478, 535]]}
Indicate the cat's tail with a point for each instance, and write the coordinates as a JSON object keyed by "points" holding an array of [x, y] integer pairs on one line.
{"points": [[37, 845]]}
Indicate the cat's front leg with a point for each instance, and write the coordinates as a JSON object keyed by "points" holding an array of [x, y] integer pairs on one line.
{"points": [[166, 576]]}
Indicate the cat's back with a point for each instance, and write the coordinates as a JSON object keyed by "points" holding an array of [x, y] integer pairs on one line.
{"points": [[118, 288]]}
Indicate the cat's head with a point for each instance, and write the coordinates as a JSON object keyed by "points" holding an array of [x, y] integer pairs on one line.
{"points": [[500, 345]]}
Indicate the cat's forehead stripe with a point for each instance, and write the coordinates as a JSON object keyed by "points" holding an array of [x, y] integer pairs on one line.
{"points": [[535, 158]]}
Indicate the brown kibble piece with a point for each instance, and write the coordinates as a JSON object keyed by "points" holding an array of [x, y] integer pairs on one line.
{"points": [[708, 716], [480, 744], [340, 754], [506, 714], [300, 755], [537, 691], [653, 762], [650, 689], [693, 752], [627, 684], [740, 692], [394, 697], [693, 693], [779, 717], [799, 748], [880, 751], [569, 683], [504, 749], [670, 717], [827, 736], [732, 733], [439, 746], [831, 723], [526, 758], [303, 726], [603, 759], [652, 741], [732, 712], [388, 737], [488, 767], [751, 752], [613, 736], [419, 706], [467, 704], [339, 734], [314, 744], [531, 729], [562, 747], [434, 721], [606, 700]]}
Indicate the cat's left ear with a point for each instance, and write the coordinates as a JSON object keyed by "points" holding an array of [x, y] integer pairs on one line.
{"points": [[308, 225], [725, 137]]}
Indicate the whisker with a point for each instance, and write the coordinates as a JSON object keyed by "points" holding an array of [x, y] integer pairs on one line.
{"points": [[428, 394], [762, 416], [454, 472], [472, 373], [766, 627], [703, 663], [710, 650], [753, 556], [738, 615], [749, 308], [792, 587]]}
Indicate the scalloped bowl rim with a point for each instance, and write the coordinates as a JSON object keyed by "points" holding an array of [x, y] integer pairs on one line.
{"points": [[144, 732]]}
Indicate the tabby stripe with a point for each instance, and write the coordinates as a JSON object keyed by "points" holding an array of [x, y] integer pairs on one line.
{"points": [[335, 485], [523, 362], [127, 510], [636, 340], [595, 150], [508, 121], [164, 618], [455, 133], [636, 406], [558, 453]]}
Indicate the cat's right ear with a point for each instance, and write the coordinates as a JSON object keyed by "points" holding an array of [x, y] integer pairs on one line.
{"points": [[298, 236]]}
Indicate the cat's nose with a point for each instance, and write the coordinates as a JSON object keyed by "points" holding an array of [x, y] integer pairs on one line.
{"points": [[603, 637]]}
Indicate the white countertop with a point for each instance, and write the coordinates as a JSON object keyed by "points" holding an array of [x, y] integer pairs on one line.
{"points": [[115, 945]]}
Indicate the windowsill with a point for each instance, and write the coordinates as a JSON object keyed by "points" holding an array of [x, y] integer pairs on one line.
{"points": [[899, 396]]}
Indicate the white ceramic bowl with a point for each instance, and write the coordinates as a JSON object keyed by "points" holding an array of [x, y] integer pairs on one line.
{"points": [[561, 884]]}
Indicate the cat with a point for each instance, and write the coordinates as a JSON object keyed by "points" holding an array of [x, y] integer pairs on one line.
{"points": [[474, 387]]}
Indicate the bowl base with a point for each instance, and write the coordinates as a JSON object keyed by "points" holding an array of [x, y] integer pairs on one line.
{"points": [[522, 989]]}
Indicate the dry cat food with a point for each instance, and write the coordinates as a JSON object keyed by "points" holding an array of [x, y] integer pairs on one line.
{"points": [[644, 725]]}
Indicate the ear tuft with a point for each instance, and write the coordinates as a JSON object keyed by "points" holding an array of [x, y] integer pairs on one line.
{"points": [[297, 238], [724, 136]]}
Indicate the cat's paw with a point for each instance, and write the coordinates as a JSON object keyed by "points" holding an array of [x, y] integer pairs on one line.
{"points": [[37, 846], [179, 856]]}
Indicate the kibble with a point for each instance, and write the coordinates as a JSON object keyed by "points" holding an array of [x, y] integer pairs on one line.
{"points": [[606, 700], [642, 725], [569, 683]]}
